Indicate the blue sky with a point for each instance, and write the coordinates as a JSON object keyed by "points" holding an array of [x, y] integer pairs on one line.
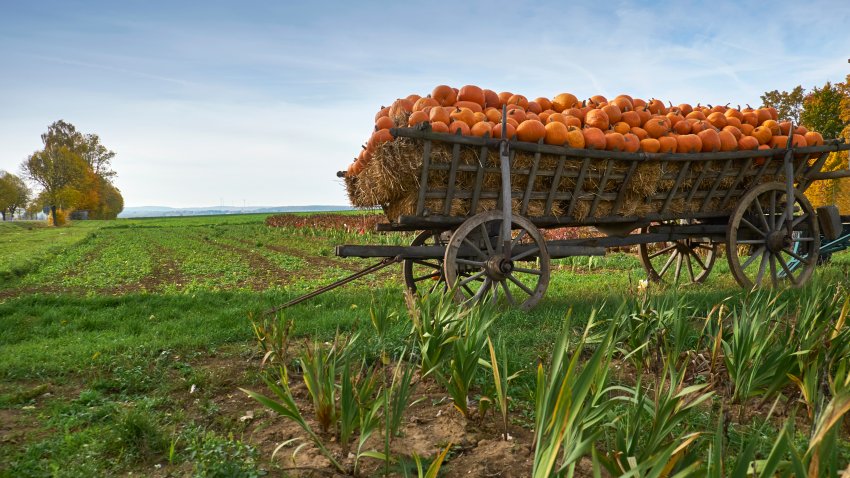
{"points": [[262, 102]]}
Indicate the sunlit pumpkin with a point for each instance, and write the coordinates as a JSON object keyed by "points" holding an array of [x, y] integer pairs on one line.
{"points": [[747, 143], [688, 143], [763, 134], [445, 95], [473, 94], [439, 114], [564, 101], [650, 145], [710, 140], [615, 141], [417, 117], [459, 126], [632, 144], [497, 130], [728, 141], [597, 119], [668, 144], [556, 133], [575, 137], [483, 128], [531, 131], [594, 138]]}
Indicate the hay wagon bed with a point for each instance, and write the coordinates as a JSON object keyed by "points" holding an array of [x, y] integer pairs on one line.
{"points": [[483, 207]]}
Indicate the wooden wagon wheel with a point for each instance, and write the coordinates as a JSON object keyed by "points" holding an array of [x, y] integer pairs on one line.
{"points": [[426, 274], [474, 252], [760, 223], [693, 257]]}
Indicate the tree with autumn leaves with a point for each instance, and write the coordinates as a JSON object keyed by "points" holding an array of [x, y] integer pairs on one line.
{"points": [[826, 110], [74, 171]]}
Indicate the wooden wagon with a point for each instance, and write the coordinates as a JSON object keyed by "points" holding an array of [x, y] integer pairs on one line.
{"points": [[750, 201]]}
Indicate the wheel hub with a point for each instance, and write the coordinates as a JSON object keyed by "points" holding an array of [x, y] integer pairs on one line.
{"points": [[498, 267], [777, 240]]}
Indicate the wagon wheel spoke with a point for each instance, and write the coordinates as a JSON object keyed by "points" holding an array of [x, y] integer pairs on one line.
{"points": [[476, 248], [754, 228], [486, 236], [518, 237], [520, 285], [469, 291], [667, 265], [753, 257], [427, 276], [495, 297], [786, 269], [762, 268], [751, 241], [530, 252], [697, 258], [678, 268], [803, 239], [760, 214], [425, 263], [796, 256], [799, 220], [773, 278], [472, 278], [772, 211], [481, 290], [690, 267], [508, 294], [468, 262], [662, 251], [703, 246], [526, 270]]}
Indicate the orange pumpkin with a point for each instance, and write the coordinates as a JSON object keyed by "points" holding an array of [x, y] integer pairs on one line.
{"points": [[734, 113], [650, 145], [632, 143], [614, 113], [381, 136], [493, 115], [639, 132], [685, 109], [798, 141], [384, 122], [517, 114], [597, 119], [717, 119], [444, 94], [459, 126], [785, 127], [710, 140], [734, 131], [504, 97], [497, 130], [631, 118], [668, 144], [422, 103], [733, 121], [597, 101], [624, 102], [520, 100], [564, 101], [762, 134], [747, 143], [594, 138], [701, 125], [615, 141], [728, 141], [575, 137], [463, 114], [621, 127], [384, 111], [688, 143], [475, 107], [439, 114], [556, 133], [472, 94], [775, 129], [439, 127], [657, 107], [544, 103], [763, 114], [747, 129], [491, 99], [813, 138], [657, 126], [751, 118], [534, 107], [695, 114], [531, 131], [779, 141], [481, 129], [417, 117]]}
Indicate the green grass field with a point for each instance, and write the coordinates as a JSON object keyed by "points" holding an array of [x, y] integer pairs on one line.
{"points": [[123, 343]]}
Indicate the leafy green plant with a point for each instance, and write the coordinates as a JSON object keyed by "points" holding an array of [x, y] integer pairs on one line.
{"points": [[569, 403], [756, 356], [284, 405], [500, 366], [272, 332], [468, 352], [651, 437], [214, 456], [436, 322], [399, 394]]}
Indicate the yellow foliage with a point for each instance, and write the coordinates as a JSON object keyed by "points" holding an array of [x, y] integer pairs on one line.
{"points": [[61, 217], [837, 192]]}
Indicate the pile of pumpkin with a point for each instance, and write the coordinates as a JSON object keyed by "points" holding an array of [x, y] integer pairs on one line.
{"points": [[623, 123]]}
